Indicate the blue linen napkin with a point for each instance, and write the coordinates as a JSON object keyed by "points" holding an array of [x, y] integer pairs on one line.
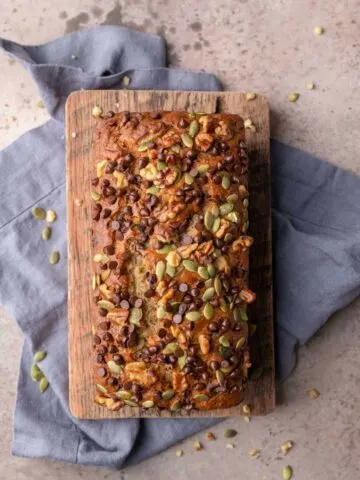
{"points": [[316, 219]]}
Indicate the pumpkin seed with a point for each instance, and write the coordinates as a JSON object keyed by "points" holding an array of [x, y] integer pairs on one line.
{"points": [[51, 216], [160, 270], [211, 270], [170, 348], [43, 385], [287, 473], [181, 362], [203, 272], [101, 389], [201, 398], [203, 168], [233, 198], [190, 265], [39, 356], [168, 394], [165, 249], [54, 258], [161, 166], [176, 148], [106, 304], [224, 307], [149, 172], [240, 314], [226, 208], [130, 403], [189, 180], [160, 312], [240, 343], [230, 433], [193, 316], [148, 404], [228, 237], [208, 294], [310, 86], [46, 233], [217, 253], [100, 257], [209, 283], [39, 213], [193, 128], [123, 394], [293, 97], [252, 329], [105, 275], [208, 220], [216, 225], [36, 374], [135, 316], [233, 217], [171, 271], [224, 341], [218, 286], [153, 190], [187, 140], [143, 146], [220, 377], [246, 202], [175, 406], [95, 196], [113, 367], [208, 311], [226, 182]]}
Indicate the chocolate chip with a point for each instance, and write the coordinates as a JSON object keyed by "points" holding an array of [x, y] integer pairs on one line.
{"points": [[111, 200], [192, 154], [167, 323], [113, 381], [183, 287], [96, 340], [162, 333], [113, 265], [138, 303], [183, 122], [104, 325], [177, 319], [102, 350], [99, 359], [213, 327], [172, 359], [107, 337], [143, 161], [186, 240], [95, 181], [110, 167], [96, 210], [190, 326], [118, 359], [102, 372], [144, 212], [109, 249], [106, 213], [214, 365], [125, 304], [102, 312], [113, 349], [150, 293], [155, 115]]}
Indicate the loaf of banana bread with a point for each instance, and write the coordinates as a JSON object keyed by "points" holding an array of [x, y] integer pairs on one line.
{"points": [[171, 260]]}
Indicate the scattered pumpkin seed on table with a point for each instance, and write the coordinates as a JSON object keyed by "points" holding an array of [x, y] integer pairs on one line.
{"points": [[230, 432], [54, 258], [36, 374], [46, 233], [293, 97], [38, 213], [126, 81], [43, 385], [39, 356], [286, 446], [287, 472], [310, 86], [197, 446]]}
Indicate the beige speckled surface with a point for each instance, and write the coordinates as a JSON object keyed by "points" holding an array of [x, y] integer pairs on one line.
{"points": [[267, 46]]}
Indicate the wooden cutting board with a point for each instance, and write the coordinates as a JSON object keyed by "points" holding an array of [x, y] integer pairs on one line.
{"points": [[79, 140]]}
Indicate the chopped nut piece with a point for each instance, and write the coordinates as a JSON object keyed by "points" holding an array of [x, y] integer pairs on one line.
{"points": [[97, 111], [314, 394], [247, 418], [230, 445], [286, 446], [51, 216], [310, 86], [248, 123], [197, 446], [73, 135], [179, 453], [254, 453], [126, 81], [246, 409], [319, 30], [250, 96], [40, 104], [210, 436], [293, 97]]}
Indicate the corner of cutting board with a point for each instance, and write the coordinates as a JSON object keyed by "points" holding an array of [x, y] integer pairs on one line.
{"points": [[73, 97]]}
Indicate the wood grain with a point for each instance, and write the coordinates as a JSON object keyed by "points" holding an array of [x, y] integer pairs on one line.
{"points": [[260, 393]]}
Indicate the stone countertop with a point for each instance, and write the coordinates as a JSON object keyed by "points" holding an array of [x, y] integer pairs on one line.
{"points": [[268, 47]]}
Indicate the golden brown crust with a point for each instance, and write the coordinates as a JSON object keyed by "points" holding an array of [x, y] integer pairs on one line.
{"points": [[171, 256]]}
